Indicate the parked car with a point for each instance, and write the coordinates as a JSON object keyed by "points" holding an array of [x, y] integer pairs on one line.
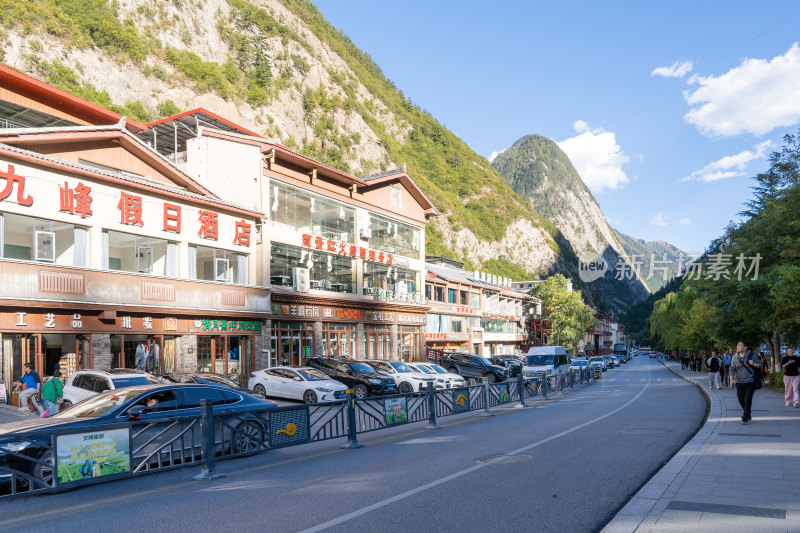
{"points": [[296, 383], [578, 364], [84, 384], [609, 361], [616, 360], [545, 360], [511, 362], [360, 377], [444, 379], [472, 366], [138, 403], [598, 360], [407, 379], [205, 378]]}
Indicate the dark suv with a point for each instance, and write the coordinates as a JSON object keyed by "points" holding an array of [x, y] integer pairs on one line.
{"points": [[512, 363], [472, 366], [360, 377]]}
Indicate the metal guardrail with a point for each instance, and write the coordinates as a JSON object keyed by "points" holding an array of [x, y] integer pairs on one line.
{"points": [[37, 465]]}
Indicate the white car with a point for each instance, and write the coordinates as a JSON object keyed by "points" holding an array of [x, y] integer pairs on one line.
{"points": [[86, 383], [406, 379], [296, 383], [444, 379], [578, 364]]}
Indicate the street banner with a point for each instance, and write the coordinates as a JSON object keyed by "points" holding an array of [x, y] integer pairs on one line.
{"points": [[90, 455], [395, 410]]}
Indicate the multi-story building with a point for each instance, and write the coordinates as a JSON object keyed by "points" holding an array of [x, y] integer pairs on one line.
{"points": [[471, 312], [110, 255], [343, 255]]}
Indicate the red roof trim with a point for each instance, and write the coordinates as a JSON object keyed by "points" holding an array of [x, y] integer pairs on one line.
{"points": [[207, 112], [103, 177], [14, 77]]}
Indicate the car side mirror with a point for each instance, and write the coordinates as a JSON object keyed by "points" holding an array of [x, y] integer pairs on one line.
{"points": [[136, 412]]}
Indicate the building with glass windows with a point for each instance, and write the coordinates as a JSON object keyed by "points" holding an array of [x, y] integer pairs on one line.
{"points": [[344, 255], [473, 312], [111, 255]]}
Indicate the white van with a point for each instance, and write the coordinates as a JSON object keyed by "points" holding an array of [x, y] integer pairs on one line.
{"points": [[548, 360]]}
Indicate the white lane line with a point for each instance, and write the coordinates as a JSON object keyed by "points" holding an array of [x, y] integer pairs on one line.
{"points": [[456, 475]]}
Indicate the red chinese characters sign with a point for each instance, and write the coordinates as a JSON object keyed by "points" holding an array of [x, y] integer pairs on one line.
{"points": [[12, 178], [343, 248], [77, 200]]}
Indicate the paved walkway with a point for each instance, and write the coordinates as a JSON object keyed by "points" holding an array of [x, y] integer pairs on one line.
{"points": [[730, 477]]}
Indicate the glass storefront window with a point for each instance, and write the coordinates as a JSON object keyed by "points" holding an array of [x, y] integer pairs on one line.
{"points": [[499, 326], [379, 277], [214, 264], [307, 212], [394, 237], [379, 342], [412, 343], [232, 356], [134, 253], [35, 239], [338, 340], [292, 343], [327, 272]]}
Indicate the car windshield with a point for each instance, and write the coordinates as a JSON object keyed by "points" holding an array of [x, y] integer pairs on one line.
{"points": [[216, 380], [380, 365], [534, 360], [597, 359], [423, 368], [309, 374], [483, 361], [580, 362], [133, 381], [102, 403], [439, 369], [360, 368], [400, 367]]}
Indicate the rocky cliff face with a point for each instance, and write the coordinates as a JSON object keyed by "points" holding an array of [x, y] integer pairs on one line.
{"points": [[539, 171], [659, 261]]}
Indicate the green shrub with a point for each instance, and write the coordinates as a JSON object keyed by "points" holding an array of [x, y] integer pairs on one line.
{"points": [[167, 108]]}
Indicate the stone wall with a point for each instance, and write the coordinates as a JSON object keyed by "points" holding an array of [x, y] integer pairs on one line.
{"points": [[101, 351]]}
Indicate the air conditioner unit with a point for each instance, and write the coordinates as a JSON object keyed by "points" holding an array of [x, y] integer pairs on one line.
{"points": [[366, 234], [302, 279], [45, 246]]}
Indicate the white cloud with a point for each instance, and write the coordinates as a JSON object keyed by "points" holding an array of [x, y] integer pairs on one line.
{"points": [[754, 97], [730, 166], [678, 69], [597, 157], [495, 154], [685, 221], [659, 219]]}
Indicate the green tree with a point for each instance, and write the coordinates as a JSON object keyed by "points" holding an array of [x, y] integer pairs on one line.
{"points": [[569, 316]]}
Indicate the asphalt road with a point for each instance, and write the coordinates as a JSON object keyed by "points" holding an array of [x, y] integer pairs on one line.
{"points": [[565, 464]]}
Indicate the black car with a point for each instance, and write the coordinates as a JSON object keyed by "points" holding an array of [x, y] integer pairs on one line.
{"points": [[150, 441], [510, 362], [472, 366], [360, 377], [204, 378]]}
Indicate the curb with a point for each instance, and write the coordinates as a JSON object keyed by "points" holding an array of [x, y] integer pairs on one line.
{"points": [[631, 516]]}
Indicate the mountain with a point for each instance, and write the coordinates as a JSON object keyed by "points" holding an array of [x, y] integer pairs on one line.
{"points": [[659, 260], [278, 68], [542, 174]]}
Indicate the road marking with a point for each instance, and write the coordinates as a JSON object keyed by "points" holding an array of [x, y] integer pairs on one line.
{"points": [[461, 473]]}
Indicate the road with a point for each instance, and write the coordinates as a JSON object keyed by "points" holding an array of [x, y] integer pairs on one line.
{"points": [[565, 464]]}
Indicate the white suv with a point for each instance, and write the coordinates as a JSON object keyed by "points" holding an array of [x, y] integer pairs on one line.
{"points": [[444, 379], [407, 380], [86, 383]]}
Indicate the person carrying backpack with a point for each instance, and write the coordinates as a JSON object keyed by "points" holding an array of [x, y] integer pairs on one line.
{"points": [[713, 364], [744, 366]]}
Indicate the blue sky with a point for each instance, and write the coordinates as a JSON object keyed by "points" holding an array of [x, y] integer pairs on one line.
{"points": [[667, 111]]}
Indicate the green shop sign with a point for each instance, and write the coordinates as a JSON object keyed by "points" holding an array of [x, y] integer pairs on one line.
{"points": [[215, 324]]}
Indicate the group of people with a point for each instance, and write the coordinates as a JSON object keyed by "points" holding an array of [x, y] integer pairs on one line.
{"points": [[45, 398], [745, 371]]}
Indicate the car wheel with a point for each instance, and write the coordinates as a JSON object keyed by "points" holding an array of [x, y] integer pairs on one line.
{"points": [[491, 378], [45, 472], [453, 370], [66, 405], [247, 437], [405, 388], [260, 391], [361, 392], [310, 396]]}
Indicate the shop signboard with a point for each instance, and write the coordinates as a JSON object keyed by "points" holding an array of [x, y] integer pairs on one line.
{"points": [[395, 411], [91, 455]]}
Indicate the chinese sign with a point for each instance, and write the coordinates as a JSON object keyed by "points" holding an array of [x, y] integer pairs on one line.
{"points": [[208, 324], [90, 455], [349, 250], [11, 180]]}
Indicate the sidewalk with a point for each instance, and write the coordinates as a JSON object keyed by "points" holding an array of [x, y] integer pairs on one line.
{"points": [[730, 477]]}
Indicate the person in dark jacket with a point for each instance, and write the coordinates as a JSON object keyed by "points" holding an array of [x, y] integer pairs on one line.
{"points": [[744, 366]]}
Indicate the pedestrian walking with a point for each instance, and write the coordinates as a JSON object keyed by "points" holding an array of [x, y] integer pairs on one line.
{"points": [[52, 395], [726, 358], [683, 361], [713, 364], [791, 377], [33, 384], [744, 367]]}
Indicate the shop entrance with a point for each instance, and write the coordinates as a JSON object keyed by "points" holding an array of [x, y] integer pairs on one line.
{"points": [[379, 342], [44, 351], [339, 341], [292, 343], [229, 355], [412, 344], [152, 353]]}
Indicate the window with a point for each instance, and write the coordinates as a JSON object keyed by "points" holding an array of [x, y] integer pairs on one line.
{"points": [[437, 323], [163, 400], [438, 294], [428, 292], [456, 324], [214, 264], [35, 239], [303, 211], [133, 253], [378, 277], [451, 296], [193, 395], [474, 299], [393, 237], [328, 272], [464, 298], [491, 302]]}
